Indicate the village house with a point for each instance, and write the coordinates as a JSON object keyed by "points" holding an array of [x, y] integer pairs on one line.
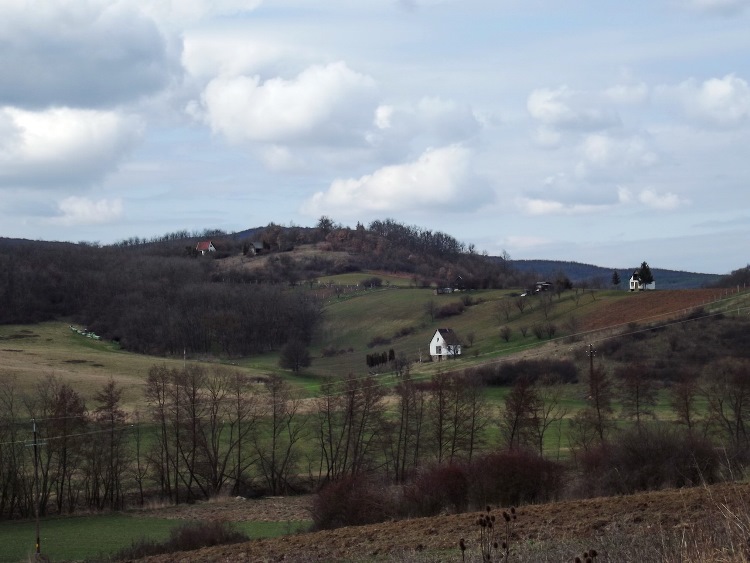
{"points": [[444, 344], [205, 246], [636, 283]]}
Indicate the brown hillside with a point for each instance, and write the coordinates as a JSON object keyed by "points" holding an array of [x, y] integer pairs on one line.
{"points": [[580, 523], [647, 306]]}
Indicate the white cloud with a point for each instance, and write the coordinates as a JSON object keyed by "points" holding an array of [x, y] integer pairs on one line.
{"points": [[83, 211], [538, 206], [429, 122], [718, 101], [608, 156], [438, 179], [328, 104], [208, 54], [667, 201], [627, 93], [568, 109], [62, 145]]}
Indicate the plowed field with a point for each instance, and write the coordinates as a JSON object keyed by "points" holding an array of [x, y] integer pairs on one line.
{"points": [[648, 306]]}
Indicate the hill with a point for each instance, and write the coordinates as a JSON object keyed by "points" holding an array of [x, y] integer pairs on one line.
{"points": [[598, 276], [688, 525]]}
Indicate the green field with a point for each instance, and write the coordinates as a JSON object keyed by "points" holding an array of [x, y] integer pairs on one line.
{"points": [[88, 537]]}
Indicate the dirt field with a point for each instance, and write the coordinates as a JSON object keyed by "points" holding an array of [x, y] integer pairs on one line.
{"points": [[582, 521], [649, 306]]}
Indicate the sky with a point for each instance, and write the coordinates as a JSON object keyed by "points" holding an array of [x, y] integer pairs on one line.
{"points": [[608, 133]]}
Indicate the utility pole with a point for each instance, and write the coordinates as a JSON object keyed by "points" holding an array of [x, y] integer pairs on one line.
{"points": [[36, 486], [591, 353]]}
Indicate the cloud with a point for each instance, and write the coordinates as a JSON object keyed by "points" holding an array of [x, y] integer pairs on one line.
{"points": [[83, 211], [608, 156], [667, 201], [439, 179], [627, 93], [537, 206], [62, 146], [185, 12], [81, 54], [208, 54], [720, 7], [327, 104], [723, 102], [566, 109]]}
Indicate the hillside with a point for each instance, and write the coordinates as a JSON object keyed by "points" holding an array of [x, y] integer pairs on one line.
{"points": [[689, 525], [602, 277]]}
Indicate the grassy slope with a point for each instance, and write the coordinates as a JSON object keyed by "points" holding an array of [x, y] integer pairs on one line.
{"points": [[83, 537]]}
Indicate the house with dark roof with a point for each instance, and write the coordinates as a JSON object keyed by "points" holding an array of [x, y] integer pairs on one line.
{"points": [[444, 344], [205, 246], [637, 284]]}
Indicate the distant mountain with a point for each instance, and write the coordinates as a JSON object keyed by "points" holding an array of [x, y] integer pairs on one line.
{"points": [[577, 273]]}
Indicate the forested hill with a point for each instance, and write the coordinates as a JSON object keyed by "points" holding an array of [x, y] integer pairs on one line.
{"points": [[161, 296], [598, 276]]}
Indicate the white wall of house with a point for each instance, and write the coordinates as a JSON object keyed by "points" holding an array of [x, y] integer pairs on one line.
{"points": [[439, 350]]}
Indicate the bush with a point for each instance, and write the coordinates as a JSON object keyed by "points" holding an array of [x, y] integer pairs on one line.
{"points": [[649, 458], [449, 310], [350, 502], [378, 340], [514, 477], [436, 489], [186, 537]]}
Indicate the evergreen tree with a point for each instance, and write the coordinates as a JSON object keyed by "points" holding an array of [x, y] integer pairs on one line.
{"points": [[645, 272], [615, 279]]}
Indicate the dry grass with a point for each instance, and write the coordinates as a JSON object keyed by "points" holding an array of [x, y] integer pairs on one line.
{"points": [[31, 352], [686, 525]]}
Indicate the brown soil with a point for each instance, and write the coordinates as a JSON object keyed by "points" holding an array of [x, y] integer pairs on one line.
{"points": [[649, 306], [633, 515]]}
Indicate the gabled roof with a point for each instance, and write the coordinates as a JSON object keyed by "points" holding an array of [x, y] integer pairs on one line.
{"points": [[205, 245], [449, 336]]}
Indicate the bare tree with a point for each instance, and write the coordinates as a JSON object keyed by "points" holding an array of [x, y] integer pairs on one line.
{"points": [[110, 417], [637, 392], [506, 332], [276, 438], [521, 303], [549, 409], [727, 394], [502, 310], [682, 398], [431, 308], [546, 303], [518, 417]]}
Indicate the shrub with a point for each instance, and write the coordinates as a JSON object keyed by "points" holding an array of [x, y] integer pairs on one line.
{"points": [[514, 477], [436, 489], [648, 458], [449, 310], [378, 340], [350, 502], [372, 282], [186, 537]]}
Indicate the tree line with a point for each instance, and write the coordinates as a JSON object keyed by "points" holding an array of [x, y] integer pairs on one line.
{"points": [[203, 432], [151, 303]]}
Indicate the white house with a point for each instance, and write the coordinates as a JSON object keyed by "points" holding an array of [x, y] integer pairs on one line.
{"points": [[636, 284], [444, 344]]}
